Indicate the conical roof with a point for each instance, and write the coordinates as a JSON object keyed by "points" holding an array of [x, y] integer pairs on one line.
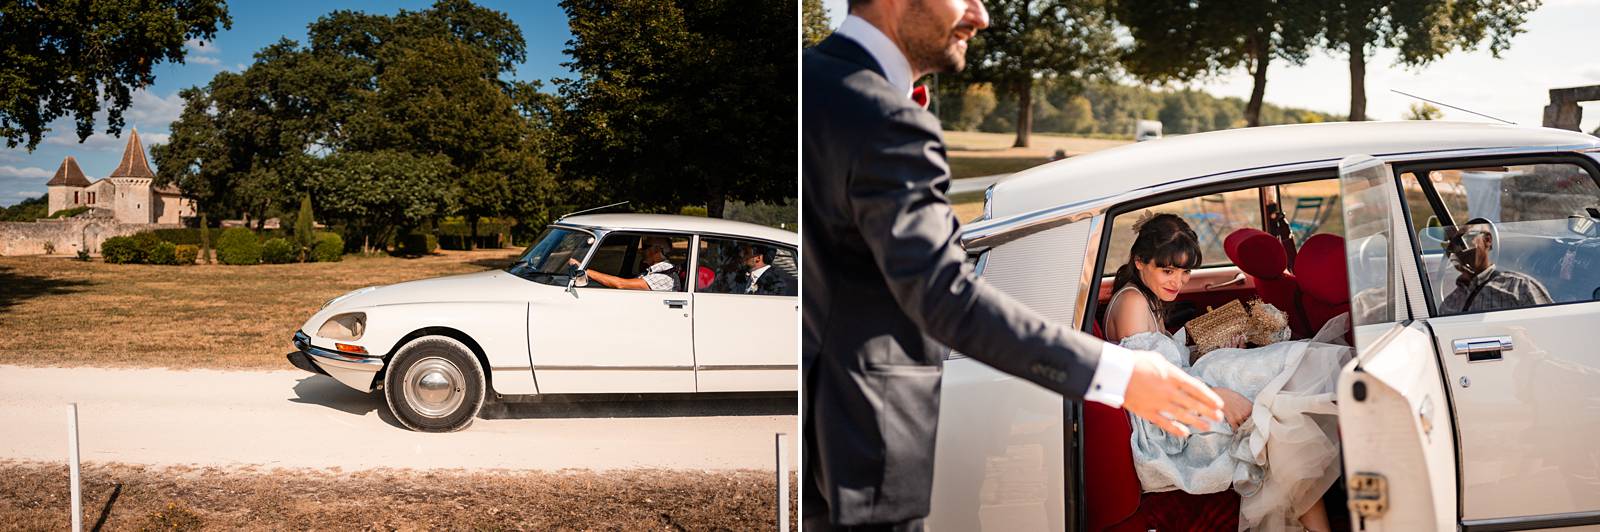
{"points": [[69, 174], [134, 163]]}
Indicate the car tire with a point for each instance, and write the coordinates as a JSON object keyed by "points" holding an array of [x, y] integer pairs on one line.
{"points": [[434, 384]]}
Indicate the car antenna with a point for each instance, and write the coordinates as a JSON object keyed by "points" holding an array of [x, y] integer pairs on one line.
{"points": [[564, 216], [1452, 107]]}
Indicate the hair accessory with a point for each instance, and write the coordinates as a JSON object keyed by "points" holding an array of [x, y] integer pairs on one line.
{"points": [[1143, 219]]}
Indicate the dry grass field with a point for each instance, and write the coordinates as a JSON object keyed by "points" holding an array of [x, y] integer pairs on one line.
{"points": [[57, 311], [34, 496]]}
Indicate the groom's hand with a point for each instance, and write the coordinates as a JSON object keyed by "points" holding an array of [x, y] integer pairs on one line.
{"points": [[1166, 396]]}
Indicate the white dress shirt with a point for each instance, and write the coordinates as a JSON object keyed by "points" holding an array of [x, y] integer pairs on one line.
{"points": [[1111, 375], [754, 275]]}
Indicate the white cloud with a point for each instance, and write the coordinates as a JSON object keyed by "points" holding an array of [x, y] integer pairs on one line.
{"points": [[28, 172], [197, 46], [7, 156], [25, 194], [153, 111], [204, 60], [104, 142]]}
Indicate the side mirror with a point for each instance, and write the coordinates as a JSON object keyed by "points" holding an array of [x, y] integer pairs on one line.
{"points": [[1583, 225], [579, 279]]}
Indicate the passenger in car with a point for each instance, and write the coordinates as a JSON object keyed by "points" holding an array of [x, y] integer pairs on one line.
{"points": [[1286, 382], [1482, 285], [658, 274], [758, 276]]}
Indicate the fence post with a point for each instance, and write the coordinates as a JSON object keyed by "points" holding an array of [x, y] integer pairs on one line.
{"points": [[783, 485], [72, 460]]}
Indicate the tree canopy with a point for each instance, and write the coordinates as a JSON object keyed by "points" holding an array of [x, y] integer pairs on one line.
{"points": [[1064, 41], [74, 58], [679, 102]]}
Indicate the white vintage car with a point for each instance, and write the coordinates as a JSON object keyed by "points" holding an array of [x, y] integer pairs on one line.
{"points": [[438, 347], [1465, 407]]}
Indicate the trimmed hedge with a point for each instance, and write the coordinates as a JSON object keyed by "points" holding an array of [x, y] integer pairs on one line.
{"points": [[121, 250], [329, 248], [417, 244], [238, 246], [186, 254], [162, 253], [277, 251], [186, 236]]}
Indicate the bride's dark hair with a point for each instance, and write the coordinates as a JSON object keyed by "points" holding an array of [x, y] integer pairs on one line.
{"points": [[1166, 241]]}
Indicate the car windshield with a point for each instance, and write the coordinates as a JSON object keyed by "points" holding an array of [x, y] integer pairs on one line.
{"points": [[546, 261]]}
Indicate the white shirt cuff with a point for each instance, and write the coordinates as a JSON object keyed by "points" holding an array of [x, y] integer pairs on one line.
{"points": [[1111, 376]]}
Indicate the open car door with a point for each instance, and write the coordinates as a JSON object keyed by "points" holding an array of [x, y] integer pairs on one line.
{"points": [[1395, 419]]}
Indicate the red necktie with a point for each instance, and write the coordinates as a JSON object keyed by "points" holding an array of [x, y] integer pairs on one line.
{"points": [[920, 95]]}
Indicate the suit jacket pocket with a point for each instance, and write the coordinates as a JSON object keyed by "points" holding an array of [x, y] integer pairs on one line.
{"points": [[908, 402]]}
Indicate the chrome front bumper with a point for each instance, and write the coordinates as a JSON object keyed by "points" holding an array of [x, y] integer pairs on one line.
{"points": [[354, 371]]}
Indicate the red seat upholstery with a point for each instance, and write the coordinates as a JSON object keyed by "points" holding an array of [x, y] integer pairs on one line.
{"points": [[704, 277], [1324, 286], [1113, 498], [1261, 257]]}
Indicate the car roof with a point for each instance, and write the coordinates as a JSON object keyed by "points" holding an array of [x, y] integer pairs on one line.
{"points": [[687, 224], [1145, 164]]}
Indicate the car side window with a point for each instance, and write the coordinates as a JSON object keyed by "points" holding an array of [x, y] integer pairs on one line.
{"points": [[1503, 237], [1212, 217], [736, 266], [626, 255]]}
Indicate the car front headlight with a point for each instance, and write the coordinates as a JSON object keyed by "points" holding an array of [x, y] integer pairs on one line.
{"points": [[348, 326], [353, 293]]}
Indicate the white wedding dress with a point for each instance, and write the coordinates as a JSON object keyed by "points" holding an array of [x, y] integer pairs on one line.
{"points": [[1280, 460]]}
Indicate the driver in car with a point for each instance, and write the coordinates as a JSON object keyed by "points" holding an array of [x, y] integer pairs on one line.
{"points": [[1482, 286], [658, 273]]}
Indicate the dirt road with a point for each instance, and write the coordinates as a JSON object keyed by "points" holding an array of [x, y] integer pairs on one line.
{"points": [[294, 419]]}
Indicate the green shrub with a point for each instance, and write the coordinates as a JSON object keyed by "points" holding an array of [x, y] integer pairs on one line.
{"points": [[238, 246], [189, 236], [68, 213], [83, 255], [693, 210], [186, 254], [329, 248], [162, 253], [278, 251], [121, 250], [146, 243], [418, 244]]}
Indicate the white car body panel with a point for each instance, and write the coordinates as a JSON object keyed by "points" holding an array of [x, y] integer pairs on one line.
{"points": [[990, 441], [744, 342], [602, 341]]}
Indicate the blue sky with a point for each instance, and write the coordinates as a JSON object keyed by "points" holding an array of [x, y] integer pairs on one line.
{"points": [[255, 25], [1557, 50]]}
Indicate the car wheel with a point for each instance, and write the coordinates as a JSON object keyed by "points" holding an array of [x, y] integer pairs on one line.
{"points": [[434, 384]]}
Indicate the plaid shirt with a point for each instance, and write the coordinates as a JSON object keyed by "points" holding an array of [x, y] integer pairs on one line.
{"points": [[1494, 289], [660, 278]]}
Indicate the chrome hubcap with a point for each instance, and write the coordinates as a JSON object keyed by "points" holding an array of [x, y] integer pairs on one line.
{"points": [[434, 387]]}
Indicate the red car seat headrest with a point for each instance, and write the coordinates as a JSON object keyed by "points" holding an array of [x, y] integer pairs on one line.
{"points": [[1256, 253], [1321, 268], [704, 277]]}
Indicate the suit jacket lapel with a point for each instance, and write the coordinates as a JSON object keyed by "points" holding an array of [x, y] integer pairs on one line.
{"points": [[847, 49]]}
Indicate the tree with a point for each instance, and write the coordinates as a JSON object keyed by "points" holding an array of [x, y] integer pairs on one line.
{"points": [[379, 194], [64, 58], [674, 102], [1029, 40], [198, 160], [814, 22], [1420, 31], [1423, 111], [1180, 40], [303, 237]]}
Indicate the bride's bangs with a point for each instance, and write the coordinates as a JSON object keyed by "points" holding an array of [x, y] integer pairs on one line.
{"points": [[1180, 253]]}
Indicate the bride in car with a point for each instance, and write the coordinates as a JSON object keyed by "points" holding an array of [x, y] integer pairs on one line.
{"points": [[1279, 447]]}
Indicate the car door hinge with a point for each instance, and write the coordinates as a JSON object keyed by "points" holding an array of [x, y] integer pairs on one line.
{"points": [[1369, 495]]}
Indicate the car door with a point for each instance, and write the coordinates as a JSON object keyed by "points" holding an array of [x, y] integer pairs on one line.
{"points": [[744, 338], [594, 339], [1395, 425], [1512, 282]]}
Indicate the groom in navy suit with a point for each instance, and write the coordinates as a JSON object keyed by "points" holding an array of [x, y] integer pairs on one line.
{"points": [[887, 291]]}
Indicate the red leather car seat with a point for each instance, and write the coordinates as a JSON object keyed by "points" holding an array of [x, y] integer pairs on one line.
{"points": [[1324, 286], [1261, 257], [1113, 498]]}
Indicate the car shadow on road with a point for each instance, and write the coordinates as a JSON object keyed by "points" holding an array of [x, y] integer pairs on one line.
{"points": [[642, 407], [325, 391]]}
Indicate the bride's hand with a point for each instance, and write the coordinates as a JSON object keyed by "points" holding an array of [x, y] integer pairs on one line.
{"points": [[1234, 406]]}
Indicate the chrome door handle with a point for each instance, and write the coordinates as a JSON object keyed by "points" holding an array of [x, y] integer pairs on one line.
{"points": [[1485, 348], [676, 303], [1237, 279]]}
